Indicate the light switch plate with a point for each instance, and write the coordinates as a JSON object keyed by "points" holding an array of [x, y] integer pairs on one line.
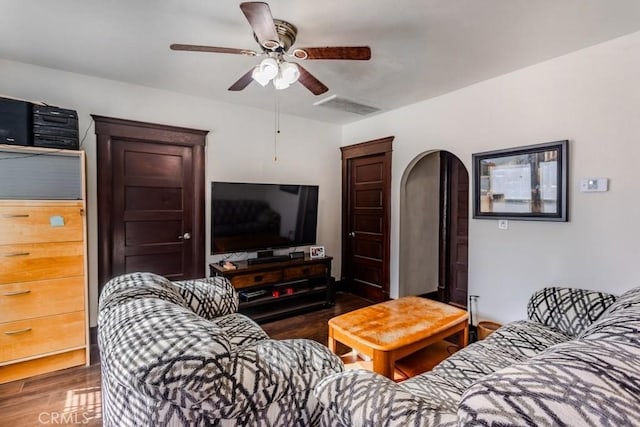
{"points": [[503, 224], [590, 185]]}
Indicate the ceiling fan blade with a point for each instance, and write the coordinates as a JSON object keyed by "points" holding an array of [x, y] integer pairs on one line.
{"points": [[213, 49], [307, 80], [242, 81], [358, 53], [259, 16]]}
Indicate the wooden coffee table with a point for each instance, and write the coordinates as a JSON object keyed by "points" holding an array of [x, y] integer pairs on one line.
{"points": [[394, 329]]}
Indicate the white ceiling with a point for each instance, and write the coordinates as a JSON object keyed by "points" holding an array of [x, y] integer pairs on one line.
{"points": [[420, 48]]}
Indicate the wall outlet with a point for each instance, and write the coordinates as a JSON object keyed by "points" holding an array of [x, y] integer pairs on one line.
{"points": [[503, 224], [589, 185]]}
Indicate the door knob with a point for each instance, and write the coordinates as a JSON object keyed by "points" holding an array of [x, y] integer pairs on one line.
{"points": [[185, 236], [352, 234]]}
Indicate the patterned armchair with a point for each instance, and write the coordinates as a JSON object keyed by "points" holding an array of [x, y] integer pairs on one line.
{"points": [[575, 361], [177, 354]]}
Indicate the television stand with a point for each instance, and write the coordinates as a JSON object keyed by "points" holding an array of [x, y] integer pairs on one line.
{"points": [[280, 288]]}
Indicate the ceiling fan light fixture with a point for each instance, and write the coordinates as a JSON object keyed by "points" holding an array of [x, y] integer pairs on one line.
{"points": [[279, 82], [259, 76], [269, 67], [266, 71], [287, 75], [283, 74], [289, 72]]}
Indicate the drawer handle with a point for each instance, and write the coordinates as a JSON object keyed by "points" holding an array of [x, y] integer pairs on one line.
{"points": [[16, 254], [11, 294], [15, 216], [257, 278], [19, 331]]}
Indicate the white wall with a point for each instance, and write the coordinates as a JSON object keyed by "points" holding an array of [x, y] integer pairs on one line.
{"points": [[592, 98], [240, 145]]}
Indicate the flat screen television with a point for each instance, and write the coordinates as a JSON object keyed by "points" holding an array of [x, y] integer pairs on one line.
{"points": [[249, 217]]}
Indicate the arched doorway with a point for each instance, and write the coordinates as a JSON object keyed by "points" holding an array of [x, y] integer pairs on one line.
{"points": [[434, 225]]}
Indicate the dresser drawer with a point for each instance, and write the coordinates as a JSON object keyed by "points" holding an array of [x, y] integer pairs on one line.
{"points": [[30, 223], [304, 271], [255, 279], [20, 301], [26, 338], [25, 263]]}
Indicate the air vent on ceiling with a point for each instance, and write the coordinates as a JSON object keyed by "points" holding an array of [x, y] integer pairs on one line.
{"points": [[338, 103]]}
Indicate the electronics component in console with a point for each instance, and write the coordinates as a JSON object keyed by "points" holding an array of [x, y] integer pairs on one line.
{"points": [[55, 127], [15, 122]]}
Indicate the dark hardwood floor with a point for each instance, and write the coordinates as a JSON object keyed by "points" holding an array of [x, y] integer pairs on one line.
{"points": [[72, 396]]}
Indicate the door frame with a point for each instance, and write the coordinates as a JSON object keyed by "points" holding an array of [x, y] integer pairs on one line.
{"points": [[445, 228], [350, 152], [446, 220], [107, 128]]}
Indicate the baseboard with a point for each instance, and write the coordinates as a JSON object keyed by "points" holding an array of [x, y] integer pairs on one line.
{"points": [[341, 286]]}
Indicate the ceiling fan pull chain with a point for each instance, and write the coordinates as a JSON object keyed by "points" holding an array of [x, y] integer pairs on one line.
{"points": [[276, 124]]}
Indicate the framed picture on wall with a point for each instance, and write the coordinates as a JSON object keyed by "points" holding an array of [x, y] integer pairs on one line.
{"points": [[316, 252], [523, 183]]}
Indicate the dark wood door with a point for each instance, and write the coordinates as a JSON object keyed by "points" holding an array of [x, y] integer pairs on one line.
{"points": [[454, 230], [151, 199], [366, 218]]}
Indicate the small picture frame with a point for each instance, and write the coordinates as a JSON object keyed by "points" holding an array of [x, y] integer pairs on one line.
{"points": [[316, 252]]}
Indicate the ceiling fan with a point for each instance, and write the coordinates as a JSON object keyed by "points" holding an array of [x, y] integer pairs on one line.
{"points": [[275, 38]]}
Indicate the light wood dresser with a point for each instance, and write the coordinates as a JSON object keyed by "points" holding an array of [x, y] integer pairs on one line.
{"points": [[43, 273]]}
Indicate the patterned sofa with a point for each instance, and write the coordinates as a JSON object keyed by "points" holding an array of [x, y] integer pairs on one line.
{"points": [[574, 362], [177, 354]]}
